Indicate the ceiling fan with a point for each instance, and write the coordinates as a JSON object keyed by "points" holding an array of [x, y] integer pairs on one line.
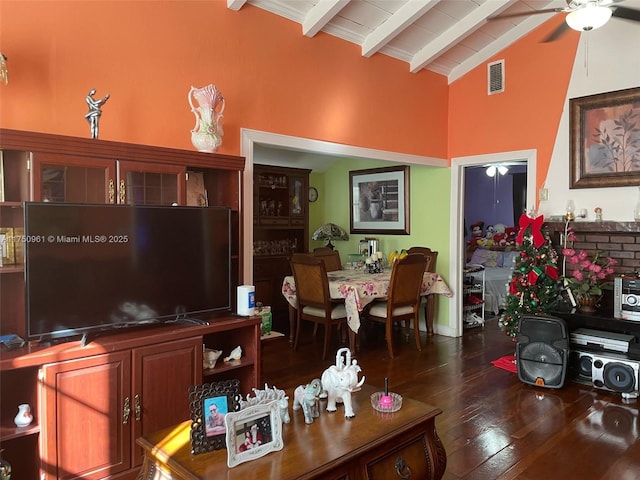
{"points": [[583, 15]]}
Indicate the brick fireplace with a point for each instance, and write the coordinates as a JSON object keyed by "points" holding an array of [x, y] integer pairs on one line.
{"points": [[619, 240]]}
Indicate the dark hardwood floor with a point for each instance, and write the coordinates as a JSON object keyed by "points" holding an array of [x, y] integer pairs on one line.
{"points": [[493, 426]]}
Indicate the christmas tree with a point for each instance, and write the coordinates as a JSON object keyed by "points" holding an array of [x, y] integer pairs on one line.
{"points": [[534, 285]]}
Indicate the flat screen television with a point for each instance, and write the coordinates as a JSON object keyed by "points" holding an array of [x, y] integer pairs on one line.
{"points": [[92, 268]]}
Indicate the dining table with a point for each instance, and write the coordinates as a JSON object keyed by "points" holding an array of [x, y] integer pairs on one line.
{"points": [[358, 288]]}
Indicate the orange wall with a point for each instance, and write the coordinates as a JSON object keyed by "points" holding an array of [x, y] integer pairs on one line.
{"points": [[527, 114], [147, 54]]}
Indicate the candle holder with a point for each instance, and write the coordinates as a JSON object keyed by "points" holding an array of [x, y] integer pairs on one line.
{"points": [[394, 406], [385, 401], [571, 211]]}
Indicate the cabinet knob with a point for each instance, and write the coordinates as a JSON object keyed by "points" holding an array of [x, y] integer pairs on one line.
{"points": [[402, 469], [137, 407], [126, 411]]}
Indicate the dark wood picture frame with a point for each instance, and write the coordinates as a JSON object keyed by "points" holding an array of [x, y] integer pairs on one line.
{"points": [[379, 200], [224, 398], [605, 139]]}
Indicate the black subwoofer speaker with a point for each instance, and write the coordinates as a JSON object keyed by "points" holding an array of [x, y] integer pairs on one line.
{"points": [[542, 351]]}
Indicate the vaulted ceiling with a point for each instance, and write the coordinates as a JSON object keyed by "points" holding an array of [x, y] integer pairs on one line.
{"points": [[449, 37]]}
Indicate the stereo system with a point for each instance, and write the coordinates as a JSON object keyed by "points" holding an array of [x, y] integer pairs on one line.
{"points": [[601, 359], [599, 340], [546, 353], [626, 297], [608, 371]]}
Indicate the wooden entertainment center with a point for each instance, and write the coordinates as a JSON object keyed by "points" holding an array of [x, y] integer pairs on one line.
{"points": [[91, 402]]}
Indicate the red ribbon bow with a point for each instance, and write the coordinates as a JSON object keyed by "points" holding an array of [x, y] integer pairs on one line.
{"points": [[536, 224]]}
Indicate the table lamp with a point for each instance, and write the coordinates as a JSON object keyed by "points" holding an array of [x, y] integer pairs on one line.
{"points": [[330, 231]]}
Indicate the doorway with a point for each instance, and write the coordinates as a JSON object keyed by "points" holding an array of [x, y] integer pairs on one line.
{"points": [[249, 138], [457, 225], [494, 199]]}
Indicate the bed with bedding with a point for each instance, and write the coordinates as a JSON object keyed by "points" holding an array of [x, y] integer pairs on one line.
{"points": [[498, 263]]}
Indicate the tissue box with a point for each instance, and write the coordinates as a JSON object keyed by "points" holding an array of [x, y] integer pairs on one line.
{"points": [[265, 313]]}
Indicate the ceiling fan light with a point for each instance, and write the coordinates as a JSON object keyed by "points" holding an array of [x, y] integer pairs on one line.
{"points": [[589, 17], [491, 171], [503, 169]]}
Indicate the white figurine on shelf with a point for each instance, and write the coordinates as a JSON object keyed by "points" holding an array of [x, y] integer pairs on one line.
{"points": [[235, 354], [210, 357]]}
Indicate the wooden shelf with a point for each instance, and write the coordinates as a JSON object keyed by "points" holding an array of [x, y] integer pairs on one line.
{"points": [[9, 433], [222, 367], [16, 268]]}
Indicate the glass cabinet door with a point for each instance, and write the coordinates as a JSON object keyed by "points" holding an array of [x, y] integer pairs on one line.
{"points": [[272, 192], [298, 200], [60, 178], [145, 184]]}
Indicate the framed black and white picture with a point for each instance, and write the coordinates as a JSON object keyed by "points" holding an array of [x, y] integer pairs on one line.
{"points": [[379, 200]]}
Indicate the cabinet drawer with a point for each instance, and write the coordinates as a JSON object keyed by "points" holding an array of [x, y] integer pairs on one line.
{"points": [[409, 461]]}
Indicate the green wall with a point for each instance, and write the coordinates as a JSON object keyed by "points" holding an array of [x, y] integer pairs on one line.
{"points": [[429, 213]]}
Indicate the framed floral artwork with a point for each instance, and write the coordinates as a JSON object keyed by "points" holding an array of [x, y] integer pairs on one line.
{"points": [[605, 139]]}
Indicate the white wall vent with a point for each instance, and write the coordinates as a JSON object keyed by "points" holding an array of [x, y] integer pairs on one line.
{"points": [[495, 77]]}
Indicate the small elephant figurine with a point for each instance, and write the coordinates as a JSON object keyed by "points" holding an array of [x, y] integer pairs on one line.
{"points": [[339, 381], [306, 397]]}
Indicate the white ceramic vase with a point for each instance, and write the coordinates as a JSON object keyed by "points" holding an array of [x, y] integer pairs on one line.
{"points": [[207, 134], [24, 417]]}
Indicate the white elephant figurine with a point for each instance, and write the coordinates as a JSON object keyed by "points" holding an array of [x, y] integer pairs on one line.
{"points": [[339, 381], [307, 398]]}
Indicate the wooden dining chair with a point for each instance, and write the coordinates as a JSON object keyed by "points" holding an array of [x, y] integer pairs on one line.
{"points": [[428, 301], [331, 258], [403, 298], [314, 302]]}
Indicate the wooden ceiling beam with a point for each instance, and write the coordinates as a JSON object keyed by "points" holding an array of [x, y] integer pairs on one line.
{"points": [[461, 29], [400, 20], [235, 4], [321, 14]]}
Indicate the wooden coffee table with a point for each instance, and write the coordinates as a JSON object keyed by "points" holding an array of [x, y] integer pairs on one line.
{"points": [[371, 446]]}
